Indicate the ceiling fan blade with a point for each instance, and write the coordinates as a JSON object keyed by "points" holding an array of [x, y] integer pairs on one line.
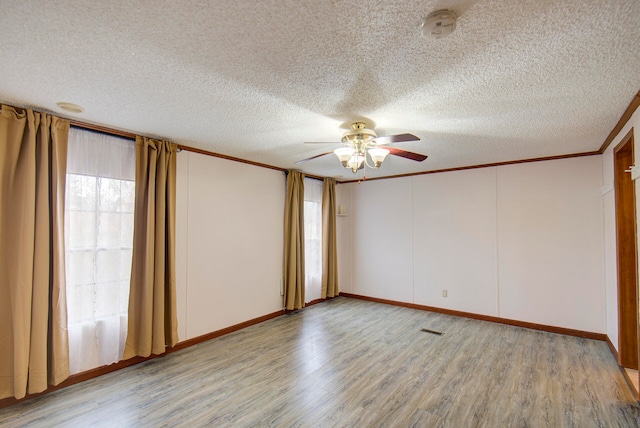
{"points": [[400, 138], [313, 157], [405, 154], [322, 142]]}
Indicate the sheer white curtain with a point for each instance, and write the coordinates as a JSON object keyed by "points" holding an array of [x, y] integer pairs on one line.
{"points": [[313, 238], [99, 236]]}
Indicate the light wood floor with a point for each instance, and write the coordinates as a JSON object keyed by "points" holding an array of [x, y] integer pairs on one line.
{"points": [[351, 363], [633, 375]]}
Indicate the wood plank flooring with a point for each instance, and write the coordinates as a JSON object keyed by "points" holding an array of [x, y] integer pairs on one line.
{"points": [[352, 363], [633, 375]]}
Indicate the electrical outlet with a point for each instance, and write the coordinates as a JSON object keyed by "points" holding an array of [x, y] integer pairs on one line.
{"points": [[444, 293]]}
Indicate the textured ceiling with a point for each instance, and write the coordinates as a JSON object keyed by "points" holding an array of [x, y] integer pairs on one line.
{"points": [[517, 79]]}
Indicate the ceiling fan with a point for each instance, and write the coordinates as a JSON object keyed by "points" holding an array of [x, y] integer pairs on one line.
{"points": [[360, 141]]}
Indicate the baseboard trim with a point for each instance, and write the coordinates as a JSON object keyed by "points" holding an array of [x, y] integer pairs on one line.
{"points": [[630, 383], [99, 371], [613, 349], [196, 340], [614, 352], [516, 323], [314, 302]]}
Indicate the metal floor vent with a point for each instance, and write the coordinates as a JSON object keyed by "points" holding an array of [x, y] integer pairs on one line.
{"points": [[426, 330]]}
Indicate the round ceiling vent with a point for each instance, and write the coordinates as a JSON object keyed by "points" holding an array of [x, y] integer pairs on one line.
{"points": [[438, 24]]}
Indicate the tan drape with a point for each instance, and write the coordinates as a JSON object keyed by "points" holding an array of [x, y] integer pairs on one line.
{"points": [[153, 323], [34, 347], [329, 246], [294, 242]]}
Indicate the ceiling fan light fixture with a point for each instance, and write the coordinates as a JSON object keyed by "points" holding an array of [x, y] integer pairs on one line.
{"points": [[360, 141], [344, 154], [356, 162], [377, 156]]}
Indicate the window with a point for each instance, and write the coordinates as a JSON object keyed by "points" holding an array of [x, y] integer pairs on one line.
{"points": [[313, 238], [99, 238]]}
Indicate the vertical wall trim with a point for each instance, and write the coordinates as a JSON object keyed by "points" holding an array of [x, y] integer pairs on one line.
{"points": [[413, 246], [495, 183], [604, 251], [186, 275], [351, 240]]}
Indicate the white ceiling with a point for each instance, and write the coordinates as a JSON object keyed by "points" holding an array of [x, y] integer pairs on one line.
{"points": [[517, 79]]}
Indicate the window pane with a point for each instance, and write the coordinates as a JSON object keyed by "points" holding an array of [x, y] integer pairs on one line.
{"points": [[81, 192], [110, 230], [126, 255], [126, 231], [108, 265], [81, 229], [123, 304], [128, 190], [313, 238], [107, 299], [80, 267], [109, 199], [99, 238], [81, 298]]}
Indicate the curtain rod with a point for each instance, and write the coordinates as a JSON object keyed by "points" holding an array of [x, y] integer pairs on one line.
{"points": [[132, 136], [181, 147], [103, 129]]}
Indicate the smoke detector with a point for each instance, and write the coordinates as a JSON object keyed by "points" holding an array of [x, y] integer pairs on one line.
{"points": [[70, 107], [438, 24]]}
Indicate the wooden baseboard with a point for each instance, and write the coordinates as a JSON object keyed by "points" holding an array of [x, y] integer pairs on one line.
{"points": [[612, 348], [614, 352], [99, 371], [195, 340], [306, 305], [516, 323], [636, 394], [314, 302]]}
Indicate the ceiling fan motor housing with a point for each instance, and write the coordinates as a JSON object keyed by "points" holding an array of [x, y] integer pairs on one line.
{"points": [[358, 134]]}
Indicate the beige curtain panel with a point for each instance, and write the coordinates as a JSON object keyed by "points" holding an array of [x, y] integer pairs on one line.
{"points": [[34, 348], [153, 323], [294, 242], [329, 245]]}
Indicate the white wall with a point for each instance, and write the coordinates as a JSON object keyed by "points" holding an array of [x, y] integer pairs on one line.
{"points": [[550, 241], [381, 239], [521, 242], [454, 232], [608, 201], [229, 243]]}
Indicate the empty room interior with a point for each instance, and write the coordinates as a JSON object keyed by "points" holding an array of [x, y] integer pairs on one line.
{"points": [[319, 213]]}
